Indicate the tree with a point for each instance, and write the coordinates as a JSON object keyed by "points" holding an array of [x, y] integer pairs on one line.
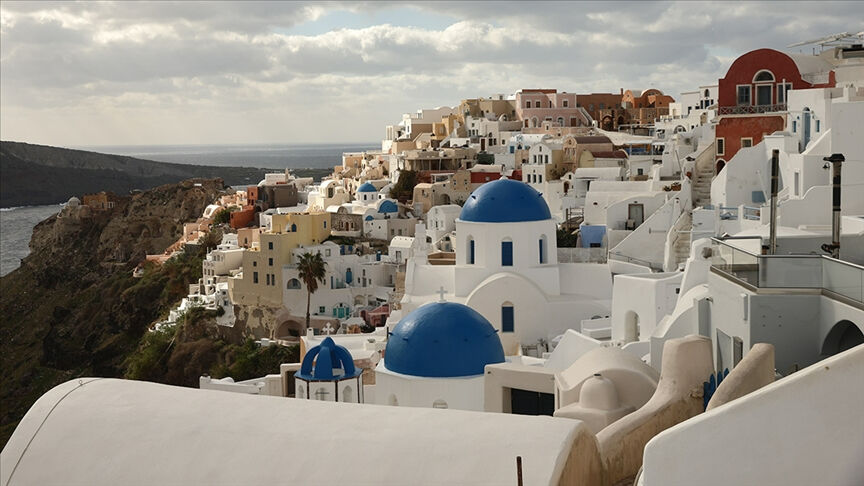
{"points": [[312, 269]]}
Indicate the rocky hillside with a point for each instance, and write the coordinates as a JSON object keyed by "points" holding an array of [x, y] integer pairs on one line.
{"points": [[73, 308], [37, 174]]}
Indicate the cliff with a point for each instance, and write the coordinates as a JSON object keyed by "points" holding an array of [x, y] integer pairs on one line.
{"points": [[73, 308], [37, 174]]}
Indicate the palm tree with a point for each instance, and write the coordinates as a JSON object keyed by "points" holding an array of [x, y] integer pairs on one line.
{"points": [[312, 270]]}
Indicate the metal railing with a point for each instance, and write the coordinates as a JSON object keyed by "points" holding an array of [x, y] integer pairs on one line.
{"points": [[751, 109], [834, 278]]}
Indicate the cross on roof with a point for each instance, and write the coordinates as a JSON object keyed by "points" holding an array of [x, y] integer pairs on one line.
{"points": [[328, 329], [441, 292]]}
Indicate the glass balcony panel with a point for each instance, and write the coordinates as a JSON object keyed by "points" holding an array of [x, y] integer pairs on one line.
{"points": [[846, 280]]}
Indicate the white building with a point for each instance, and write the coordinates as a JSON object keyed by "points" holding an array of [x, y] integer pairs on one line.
{"points": [[507, 269]]}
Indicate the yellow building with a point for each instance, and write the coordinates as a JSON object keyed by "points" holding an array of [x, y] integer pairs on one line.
{"points": [[261, 284]]}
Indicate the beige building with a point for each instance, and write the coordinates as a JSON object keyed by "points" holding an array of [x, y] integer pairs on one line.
{"points": [[260, 284], [444, 189]]}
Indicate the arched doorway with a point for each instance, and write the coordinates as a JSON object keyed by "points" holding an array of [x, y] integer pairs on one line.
{"points": [[631, 326], [843, 336], [288, 329], [607, 123], [720, 164]]}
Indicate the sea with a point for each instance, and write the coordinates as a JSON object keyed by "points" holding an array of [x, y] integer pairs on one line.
{"points": [[16, 224]]}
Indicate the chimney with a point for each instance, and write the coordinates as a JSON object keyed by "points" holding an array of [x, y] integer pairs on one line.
{"points": [[836, 161], [775, 178]]}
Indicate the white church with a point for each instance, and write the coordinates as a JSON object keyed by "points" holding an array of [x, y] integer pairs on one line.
{"points": [[507, 269]]}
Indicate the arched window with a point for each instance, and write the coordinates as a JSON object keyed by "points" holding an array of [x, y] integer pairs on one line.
{"points": [[763, 76], [707, 93], [293, 228], [560, 121], [293, 284], [507, 253], [470, 250], [439, 404], [508, 323], [348, 394], [542, 244], [534, 122], [301, 391]]}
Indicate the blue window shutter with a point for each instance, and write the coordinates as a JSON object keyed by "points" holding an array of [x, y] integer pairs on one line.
{"points": [[507, 323], [506, 253]]}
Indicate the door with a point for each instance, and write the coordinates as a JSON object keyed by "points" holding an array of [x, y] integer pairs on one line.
{"points": [[763, 94], [636, 213]]}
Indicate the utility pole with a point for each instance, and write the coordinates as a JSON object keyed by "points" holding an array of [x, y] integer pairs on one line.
{"points": [[836, 161]]}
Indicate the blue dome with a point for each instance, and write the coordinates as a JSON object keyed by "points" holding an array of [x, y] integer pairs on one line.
{"points": [[505, 201], [387, 206], [443, 339], [329, 356], [367, 187]]}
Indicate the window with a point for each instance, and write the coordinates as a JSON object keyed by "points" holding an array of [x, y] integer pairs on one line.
{"points": [[293, 228], [540, 178], [471, 251], [744, 95], [506, 253], [293, 284], [269, 245], [327, 252], [546, 159], [542, 245], [254, 264], [536, 104], [507, 320], [322, 309], [783, 92], [721, 146], [794, 126], [762, 76], [566, 103], [602, 106], [746, 142], [439, 404], [270, 262], [325, 224], [818, 125], [255, 277]]}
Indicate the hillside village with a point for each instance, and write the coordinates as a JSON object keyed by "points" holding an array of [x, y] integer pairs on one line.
{"points": [[648, 271]]}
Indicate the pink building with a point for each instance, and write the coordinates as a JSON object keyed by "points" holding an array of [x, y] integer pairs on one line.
{"points": [[534, 106]]}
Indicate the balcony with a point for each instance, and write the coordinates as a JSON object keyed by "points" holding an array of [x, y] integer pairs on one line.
{"points": [[836, 279], [751, 109]]}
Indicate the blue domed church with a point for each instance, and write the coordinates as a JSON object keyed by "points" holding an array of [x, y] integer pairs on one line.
{"points": [[328, 374], [436, 356], [507, 269]]}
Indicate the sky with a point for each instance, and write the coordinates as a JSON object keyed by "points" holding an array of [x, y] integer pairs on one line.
{"points": [[139, 73]]}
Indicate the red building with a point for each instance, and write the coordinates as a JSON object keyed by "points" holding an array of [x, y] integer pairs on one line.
{"points": [[752, 96]]}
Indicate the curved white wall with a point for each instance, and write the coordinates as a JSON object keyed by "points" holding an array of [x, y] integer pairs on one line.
{"points": [[804, 429]]}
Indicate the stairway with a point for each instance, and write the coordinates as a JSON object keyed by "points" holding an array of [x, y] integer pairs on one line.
{"points": [[702, 186], [682, 247]]}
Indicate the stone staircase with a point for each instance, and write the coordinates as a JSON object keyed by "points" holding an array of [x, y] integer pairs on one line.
{"points": [[702, 186], [682, 246]]}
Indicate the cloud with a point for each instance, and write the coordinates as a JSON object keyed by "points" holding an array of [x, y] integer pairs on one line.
{"points": [[246, 72]]}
